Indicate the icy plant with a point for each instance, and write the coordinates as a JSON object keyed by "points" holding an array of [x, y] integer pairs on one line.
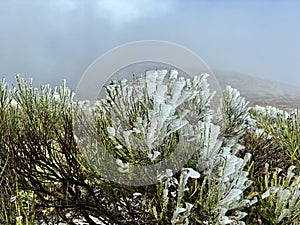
{"points": [[207, 157], [284, 127], [280, 201], [167, 193], [150, 117], [183, 209], [222, 190], [233, 182], [213, 190], [143, 122], [270, 111], [158, 112], [234, 112]]}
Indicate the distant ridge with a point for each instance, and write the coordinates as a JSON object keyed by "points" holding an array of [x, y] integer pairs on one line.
{"points": [[260, 91]]}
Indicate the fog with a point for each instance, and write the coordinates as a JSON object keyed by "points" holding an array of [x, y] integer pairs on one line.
{"points": [[58, 39]]}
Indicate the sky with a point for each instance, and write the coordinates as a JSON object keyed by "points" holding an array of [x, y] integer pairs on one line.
{"points": [[54, 40]]}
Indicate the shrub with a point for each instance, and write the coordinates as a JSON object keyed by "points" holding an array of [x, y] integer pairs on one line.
{"points": [[52, 179], [280, 199], [284, 127]]}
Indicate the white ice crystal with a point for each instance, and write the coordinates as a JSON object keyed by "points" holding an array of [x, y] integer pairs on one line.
{"points": [[123, 167], [283, 197], [159, 104], [271, 111], [234, 112], [225, 178], [180, 216], [167, 104], [111, 131], [165, 174]]}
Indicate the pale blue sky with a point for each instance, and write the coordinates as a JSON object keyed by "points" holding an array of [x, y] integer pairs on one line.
{"points": [[58, 39]]}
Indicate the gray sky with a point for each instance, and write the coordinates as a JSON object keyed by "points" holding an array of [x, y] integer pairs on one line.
{"points": [[58, 39]]}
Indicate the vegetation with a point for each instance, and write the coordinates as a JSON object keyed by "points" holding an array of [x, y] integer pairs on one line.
{"points": [[244, 168]]}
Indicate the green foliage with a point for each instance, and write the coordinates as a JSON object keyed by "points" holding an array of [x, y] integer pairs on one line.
{"points": [[16, 206], [280, 199], [284, 127], [46, 179], [234, 112], [152, 113]]}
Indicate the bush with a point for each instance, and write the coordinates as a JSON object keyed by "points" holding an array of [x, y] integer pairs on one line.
{"points": [[284, 127], [52, 179], [280, 201]]}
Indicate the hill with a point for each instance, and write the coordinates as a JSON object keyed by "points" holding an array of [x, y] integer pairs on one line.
{"points": [[261, 91]]}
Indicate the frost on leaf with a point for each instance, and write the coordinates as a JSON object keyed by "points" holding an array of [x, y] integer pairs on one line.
{"points": [[234, 112], [154, 114], [282, 197]]}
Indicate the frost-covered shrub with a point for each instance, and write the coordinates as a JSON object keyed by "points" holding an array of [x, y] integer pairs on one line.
{"points": [[222, 196], [183, 209], [234, 113], [273, 141], [269, 111], [142, 122], [264, 149], [284, 127], [145, 120], [280, 199], [158, 107]]}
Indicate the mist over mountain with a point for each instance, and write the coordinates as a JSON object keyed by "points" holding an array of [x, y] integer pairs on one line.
{"points": [[260, 91]]}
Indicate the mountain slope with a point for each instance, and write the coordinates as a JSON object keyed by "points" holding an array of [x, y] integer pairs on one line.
{"points": [[260, 91]]}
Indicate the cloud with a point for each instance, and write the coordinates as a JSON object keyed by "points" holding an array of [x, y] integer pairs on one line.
{"points": [[58, 39], [123, 12]]}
